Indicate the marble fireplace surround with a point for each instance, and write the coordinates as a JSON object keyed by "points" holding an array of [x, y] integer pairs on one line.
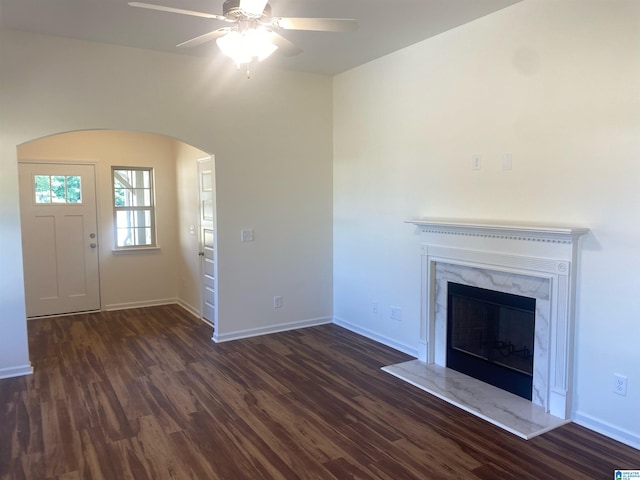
{"points": [[532, 260], [506, 282]]}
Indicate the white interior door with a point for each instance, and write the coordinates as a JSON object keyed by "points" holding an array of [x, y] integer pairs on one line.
{"points": [[207, 238], [59, 238]]}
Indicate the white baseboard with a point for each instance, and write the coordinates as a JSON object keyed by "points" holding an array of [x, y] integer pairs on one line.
{"points": [[145, 303], [189, 308], [193, 311], [282, 327], [376, 337], [18, 371], [156, 303], [608, 430]]}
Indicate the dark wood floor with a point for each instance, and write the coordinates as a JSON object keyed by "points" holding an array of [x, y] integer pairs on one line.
{"points": [[145, 394]]}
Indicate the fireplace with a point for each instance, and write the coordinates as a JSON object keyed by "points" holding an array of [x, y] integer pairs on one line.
{"points": [[526, 260], [535, 262], [490, 337]]}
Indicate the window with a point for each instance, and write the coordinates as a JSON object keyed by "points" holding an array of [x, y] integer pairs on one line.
{"points": [[133, 209], [50, 189]]}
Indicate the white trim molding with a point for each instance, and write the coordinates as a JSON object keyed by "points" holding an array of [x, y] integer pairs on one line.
{"points": [[382, 339], [142, 304], [501, 230], [17, 371], [612, 431], [282, 327]]}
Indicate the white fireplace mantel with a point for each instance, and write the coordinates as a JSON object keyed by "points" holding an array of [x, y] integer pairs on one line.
{"points": [[501, 229], [507, 256]]}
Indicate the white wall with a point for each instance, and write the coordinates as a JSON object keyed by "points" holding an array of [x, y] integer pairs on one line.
{"points": [[271, 136], [189, 274], [557, 85], [132, 279]]}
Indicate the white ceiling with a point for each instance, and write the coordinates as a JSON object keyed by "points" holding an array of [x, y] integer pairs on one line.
{"points": [[385, 25]]}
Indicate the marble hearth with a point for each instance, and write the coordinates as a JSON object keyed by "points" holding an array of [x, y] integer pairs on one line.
{"points": [[537, 261]]}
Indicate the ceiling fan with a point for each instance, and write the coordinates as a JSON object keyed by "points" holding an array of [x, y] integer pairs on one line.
{"points": [[253, 32]]}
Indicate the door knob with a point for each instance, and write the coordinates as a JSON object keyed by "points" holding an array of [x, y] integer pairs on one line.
{"points": [[201, 254], [93, 245], [92, 235]]}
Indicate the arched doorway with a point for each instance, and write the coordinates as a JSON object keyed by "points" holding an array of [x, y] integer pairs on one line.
{"points": [[169, 270]]}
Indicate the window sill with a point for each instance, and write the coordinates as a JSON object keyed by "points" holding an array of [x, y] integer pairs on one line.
{"points": [[134, 250]]}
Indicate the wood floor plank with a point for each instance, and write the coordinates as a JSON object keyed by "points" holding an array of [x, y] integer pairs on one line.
{"points": [[157, 445], [282, 440], [96, 463], [144, 394], [129, 460]]}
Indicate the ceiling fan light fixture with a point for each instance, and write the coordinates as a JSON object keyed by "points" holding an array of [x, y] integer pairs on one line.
{"points": [[255, 33], [246, 45], [253, 8]]}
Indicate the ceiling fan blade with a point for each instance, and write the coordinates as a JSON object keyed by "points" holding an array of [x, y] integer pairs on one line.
{"points": [[253, 7], [285, 47], [207, 37], [317, 24], [181, 11]]}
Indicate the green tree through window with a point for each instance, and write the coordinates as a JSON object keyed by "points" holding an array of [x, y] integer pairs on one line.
{"points": [[50, 189], [134, 214]]}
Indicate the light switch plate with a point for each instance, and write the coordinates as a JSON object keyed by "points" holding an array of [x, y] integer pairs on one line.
{"points": [[246, 235]]}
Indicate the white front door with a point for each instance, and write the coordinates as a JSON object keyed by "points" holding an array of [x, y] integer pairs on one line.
{"points": [[207, 238], [59, 238]]}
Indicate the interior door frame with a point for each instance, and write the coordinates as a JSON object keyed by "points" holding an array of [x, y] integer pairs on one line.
{"points": [[201, 253]]}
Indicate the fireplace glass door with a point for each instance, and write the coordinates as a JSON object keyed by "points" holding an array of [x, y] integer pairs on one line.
{"points": [[490, 336]]}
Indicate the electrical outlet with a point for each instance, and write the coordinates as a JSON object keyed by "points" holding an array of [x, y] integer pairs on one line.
{"points": [[396, 313], [619, 384], [476, 162], [374, 308], [277, 302]]}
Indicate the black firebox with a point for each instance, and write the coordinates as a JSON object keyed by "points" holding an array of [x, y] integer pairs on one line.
{"points": [[490, 336]]}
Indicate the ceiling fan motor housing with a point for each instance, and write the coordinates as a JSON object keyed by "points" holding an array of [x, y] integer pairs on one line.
{"points": [[231, 10]]}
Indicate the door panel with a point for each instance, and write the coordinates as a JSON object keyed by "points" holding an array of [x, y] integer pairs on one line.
{"points": [[209, 276], [207, 238], [41, 248], [73, 267], [59, 238]]}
